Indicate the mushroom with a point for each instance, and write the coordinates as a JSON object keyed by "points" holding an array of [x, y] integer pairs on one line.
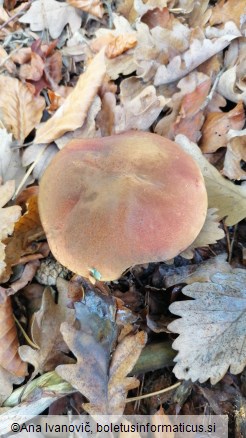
{"points": [[109, 203]]}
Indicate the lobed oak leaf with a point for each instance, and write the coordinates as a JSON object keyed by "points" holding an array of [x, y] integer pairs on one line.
{"points": [[217, 125], [51, 15], [230, 87], [235, 154], [197, 53], [103, 382], [27, 230], [93, 7], [73, 112], [216, 319], [229, 199], [20, 111], [45, 331], [8, 217]]}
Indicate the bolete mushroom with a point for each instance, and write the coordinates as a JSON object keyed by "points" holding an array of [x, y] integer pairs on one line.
{"points": [[109, 203]]}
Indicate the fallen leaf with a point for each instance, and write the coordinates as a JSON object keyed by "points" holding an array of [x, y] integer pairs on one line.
{"points": [[120, 44], [235, 154], [8, 217], [209, 234], [27, 230], [10, 161], [32, 153], [226, 10], [102, 381], [20, 111], [73, 112], [140, 106], [198, 52], [93, 7], [51, 15], [26, 277], [229, 199], [211, 329], [217, 125], [46, 335], [229, 87], [9, 343]]}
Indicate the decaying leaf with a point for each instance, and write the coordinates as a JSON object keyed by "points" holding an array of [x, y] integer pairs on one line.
{"points": [[8, 217], [235, 154], [217, 126], [225, 10], [229, 199], [103, 382], [51, 15], [42, 154], [46, 335], [212, 328], [9, 356], [20, 110], [229, 87], [27, 230], [72, 114], [209, 234]]}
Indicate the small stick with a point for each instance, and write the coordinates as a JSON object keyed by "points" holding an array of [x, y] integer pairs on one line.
{"points": [[16, 15]]}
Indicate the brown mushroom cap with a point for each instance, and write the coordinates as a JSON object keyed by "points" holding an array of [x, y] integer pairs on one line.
{"points": [[113, 202]]}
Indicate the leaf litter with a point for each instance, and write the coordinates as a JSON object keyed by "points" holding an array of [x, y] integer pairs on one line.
{"points": [[78, 69]]}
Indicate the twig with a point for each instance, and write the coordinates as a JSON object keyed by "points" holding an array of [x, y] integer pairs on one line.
{"points": [[151, 394], [16, 15]]}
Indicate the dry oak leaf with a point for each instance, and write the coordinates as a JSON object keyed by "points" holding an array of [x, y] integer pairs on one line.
{"points": [[51, 15], [120, 44], [229, 199], [226, 10], [217, 125], [27, 230], [93, 7], [45, 331], [8, 217], [103, 382], [20, 110], [9, 343], [73, 112], [197, 53], [235, 154], [209, 234], [230, 87], [212, 328]]}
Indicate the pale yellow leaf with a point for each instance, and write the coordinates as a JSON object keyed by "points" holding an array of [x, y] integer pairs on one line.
{"points": [[228, 198], [73, 112]]}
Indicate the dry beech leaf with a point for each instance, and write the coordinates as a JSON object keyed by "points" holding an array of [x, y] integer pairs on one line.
{"points": [[9, 356], [217, 125], [20, 110], [51, 15], [198, 52], [46, 334], [26, 277], [32, 152], [93, 7], [103, 382], [27, 230], [209, 234], [72, 114], [8, 217], [226, 10], [216, 320], [235, 153], [229, 199]]}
